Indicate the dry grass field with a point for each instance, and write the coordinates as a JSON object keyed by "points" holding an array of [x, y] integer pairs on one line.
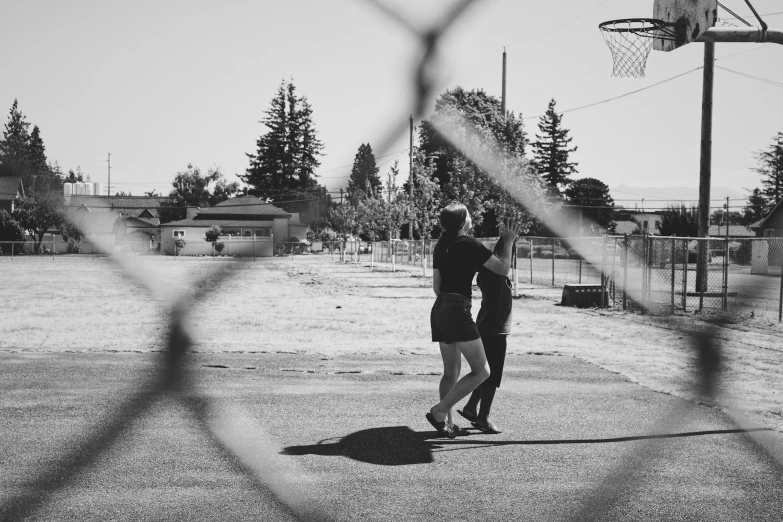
{"points": [[313, 305]]}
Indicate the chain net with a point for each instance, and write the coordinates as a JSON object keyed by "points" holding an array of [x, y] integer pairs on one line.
{"points": [[632, 269], [630, 42]]}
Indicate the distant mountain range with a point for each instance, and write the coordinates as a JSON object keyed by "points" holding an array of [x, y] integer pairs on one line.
{"points": [[658, 196]]}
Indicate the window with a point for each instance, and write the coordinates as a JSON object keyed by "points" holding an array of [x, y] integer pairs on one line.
{"points": [[646, 224], [264, 232], [248, 233], [657, 225], [178, 233], [769, 232]]}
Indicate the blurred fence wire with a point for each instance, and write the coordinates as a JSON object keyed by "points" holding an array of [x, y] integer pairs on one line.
{"points": [[647, 266]]}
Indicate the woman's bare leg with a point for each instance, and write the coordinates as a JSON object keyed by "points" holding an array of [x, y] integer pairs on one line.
{"points": [[473, 351], [452, 364]]}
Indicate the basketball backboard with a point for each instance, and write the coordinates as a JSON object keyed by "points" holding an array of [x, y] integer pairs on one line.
{"points": [[689, 19]]}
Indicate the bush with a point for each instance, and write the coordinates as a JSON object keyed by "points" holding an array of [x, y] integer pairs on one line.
{"points": [[573, 254], [523, 250], [219, 247], [179, 243], [743, 254], [73, 248], [213, 233], [546, 254]]}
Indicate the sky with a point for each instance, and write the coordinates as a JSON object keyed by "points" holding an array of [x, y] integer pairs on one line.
{"points": [[164, 84]]}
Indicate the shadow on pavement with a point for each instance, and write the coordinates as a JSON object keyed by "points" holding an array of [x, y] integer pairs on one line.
{"points": [[401, 446]]}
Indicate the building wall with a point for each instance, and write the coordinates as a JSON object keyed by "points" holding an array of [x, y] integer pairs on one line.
{"points": [[774, 222], [280, 229]]}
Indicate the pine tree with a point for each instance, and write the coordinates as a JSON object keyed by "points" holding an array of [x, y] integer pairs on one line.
{"points": [[771, 170], [287, 155], [757, 206], [551, 152], [364, 181], [14, 147]]}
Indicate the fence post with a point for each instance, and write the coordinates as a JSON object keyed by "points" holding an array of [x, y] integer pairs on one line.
{"points": [[580, 269], [702, 269], [514, 273], [372, 254], [625, 271], [674, 253], [553, 261], [685, 279], [603, 273], [392, 253], [780, 300], [530, 255], [614, 282], [726, 273]]}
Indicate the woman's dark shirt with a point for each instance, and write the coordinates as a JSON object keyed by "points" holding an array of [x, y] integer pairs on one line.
{"points": [[458, 263], [494, 317]]}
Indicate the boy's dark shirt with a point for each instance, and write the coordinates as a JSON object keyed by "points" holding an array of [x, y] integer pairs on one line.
{"points": [[494, 317], [459, 263]]}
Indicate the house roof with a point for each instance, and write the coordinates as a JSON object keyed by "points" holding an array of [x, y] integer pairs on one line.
{"points": [[10, 187], [238, 223], [760, 223], [734, 231], [127, 205], [95, 222], [132, 222], [250, 207]]}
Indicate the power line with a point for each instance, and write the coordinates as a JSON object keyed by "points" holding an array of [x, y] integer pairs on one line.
{"points": [[752, 77], [622, 95], [559, 26]]}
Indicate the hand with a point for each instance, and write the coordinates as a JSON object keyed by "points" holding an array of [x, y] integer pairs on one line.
{"points": [[510, 229]]}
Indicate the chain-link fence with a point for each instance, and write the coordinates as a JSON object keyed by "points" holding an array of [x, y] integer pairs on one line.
{"points": [[641, 272]]}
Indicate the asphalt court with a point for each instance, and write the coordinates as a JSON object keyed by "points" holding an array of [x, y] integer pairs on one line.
{"points": [[350, 432]]}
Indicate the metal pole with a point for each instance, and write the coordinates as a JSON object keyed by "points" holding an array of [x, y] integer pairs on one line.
{"points": [[705, 174], [553, 261], [780, 299], [685, 278], [674, 246], [530, 255], [503, 99], [603, 273], [726, 275], [410, 179], [625, 271]]}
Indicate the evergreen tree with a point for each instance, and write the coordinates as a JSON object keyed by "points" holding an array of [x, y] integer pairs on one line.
{"points": [[551, 152], [287, 154], [364, 181], [679, 221], [14, 147], [757, 206], [591, 197], [771, 170]]}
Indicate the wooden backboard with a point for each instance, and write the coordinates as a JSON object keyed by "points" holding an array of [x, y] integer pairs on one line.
{"points": [[690, 18]]}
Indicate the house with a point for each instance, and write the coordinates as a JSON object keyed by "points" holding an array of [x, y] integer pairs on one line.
{"points": [[771, 225], [10, 190], [630, 221], [242, 217], [735, 231]]}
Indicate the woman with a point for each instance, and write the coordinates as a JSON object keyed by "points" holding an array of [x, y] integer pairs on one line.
{"points": [[456, 260]]}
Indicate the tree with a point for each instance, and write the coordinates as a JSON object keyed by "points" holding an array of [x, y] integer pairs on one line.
{"points": [[38, 214], [364, 181], [287, 154], [14, 147], [192, 189], [426, 204], [497, 137], [343, 218], [592, 198], [551, 152], [679, 221], [9, 231], [771, 169], [757, 206]]}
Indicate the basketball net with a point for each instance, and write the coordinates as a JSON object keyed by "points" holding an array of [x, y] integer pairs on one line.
{"points": [[630, 42]]}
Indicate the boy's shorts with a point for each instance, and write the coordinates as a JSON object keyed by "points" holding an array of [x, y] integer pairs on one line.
{"points": [[451, 320]]}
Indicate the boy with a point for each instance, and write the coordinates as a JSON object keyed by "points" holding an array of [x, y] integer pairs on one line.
{"points": [[494, 325]]}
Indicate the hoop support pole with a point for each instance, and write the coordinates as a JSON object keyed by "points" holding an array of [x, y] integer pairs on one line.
{"points": [[742, 34]]}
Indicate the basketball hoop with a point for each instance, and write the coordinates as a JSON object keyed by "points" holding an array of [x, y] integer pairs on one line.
{"points": [[631, 40]]}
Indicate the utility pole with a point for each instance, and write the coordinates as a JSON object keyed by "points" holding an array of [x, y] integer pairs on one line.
{"points": [[410, 180], [705, 173], [109, 161], [503, 98], [728, 222]]}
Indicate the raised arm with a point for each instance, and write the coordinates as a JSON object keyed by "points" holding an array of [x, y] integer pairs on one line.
{"points": [[509, 232]]}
